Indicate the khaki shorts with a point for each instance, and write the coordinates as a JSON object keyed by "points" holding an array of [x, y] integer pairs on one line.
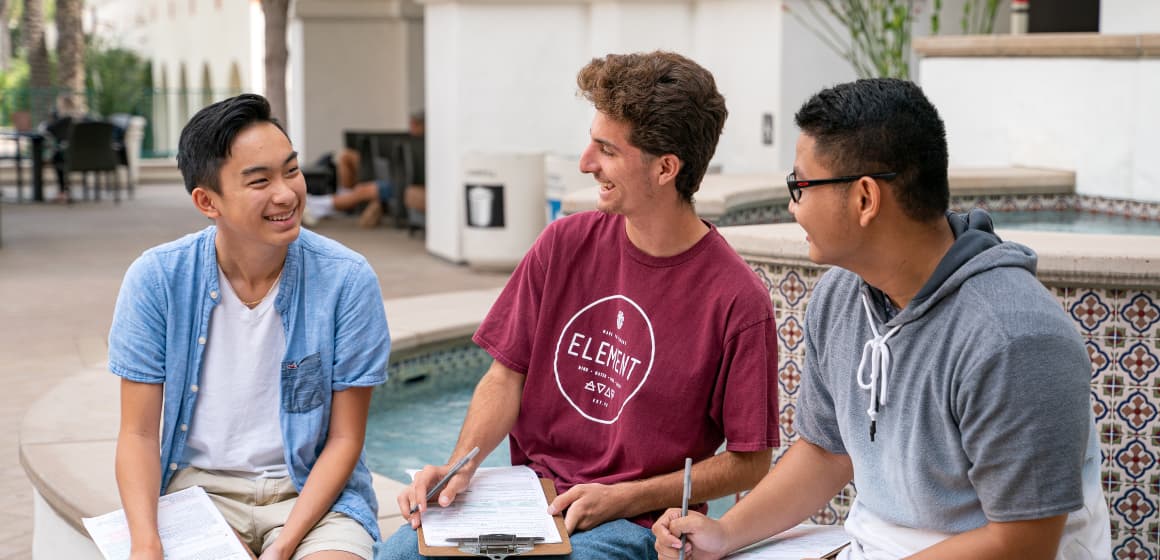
{"points": [[257, 509]]}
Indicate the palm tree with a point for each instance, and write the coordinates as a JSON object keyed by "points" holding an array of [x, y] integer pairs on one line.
{"points": [[70, 54], [5, 48], [39, 71], [276, 55]]}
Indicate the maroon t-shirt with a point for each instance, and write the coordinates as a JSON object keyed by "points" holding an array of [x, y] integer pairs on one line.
{"points": [[633, 362]]}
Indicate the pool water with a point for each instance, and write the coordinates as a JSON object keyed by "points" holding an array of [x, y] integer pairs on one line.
{"points": [[413, 429], [1075, 222], [415, 426]]}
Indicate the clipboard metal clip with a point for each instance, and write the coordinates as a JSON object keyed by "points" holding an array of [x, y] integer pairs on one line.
{"points": [[496, 546]]}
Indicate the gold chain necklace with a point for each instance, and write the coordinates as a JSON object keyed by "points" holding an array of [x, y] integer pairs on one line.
{"points": [[251, 304]]}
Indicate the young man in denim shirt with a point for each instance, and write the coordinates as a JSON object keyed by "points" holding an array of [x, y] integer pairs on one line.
{"points": [[255, 346]]}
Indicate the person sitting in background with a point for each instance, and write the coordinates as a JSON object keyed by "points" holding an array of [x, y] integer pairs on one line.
{"points": [[370, 198]]}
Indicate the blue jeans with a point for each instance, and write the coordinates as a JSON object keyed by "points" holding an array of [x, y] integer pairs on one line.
{"points": [[615, 540]]}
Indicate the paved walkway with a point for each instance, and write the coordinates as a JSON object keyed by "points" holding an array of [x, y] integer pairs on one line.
{"points": [[60, 269]]}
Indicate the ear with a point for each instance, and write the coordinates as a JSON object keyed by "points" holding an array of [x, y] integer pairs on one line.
{"points": [[668, 166], [207, 202], [868, 194]]}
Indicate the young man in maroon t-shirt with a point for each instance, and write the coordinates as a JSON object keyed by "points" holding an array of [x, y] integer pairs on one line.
{"points": [[629, 338]]}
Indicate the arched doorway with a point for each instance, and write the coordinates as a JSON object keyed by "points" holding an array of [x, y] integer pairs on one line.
{"points": [[235, 79], [182, 97], [161, 108], [206, 85]]}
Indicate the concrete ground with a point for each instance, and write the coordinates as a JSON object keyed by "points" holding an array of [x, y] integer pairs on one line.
{"points": [[60, 270]]}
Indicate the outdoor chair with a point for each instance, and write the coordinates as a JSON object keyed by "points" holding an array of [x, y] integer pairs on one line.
{"points": [[91, 149], [123, 123]]}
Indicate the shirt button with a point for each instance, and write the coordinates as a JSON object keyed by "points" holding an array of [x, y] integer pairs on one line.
{"points": [[193, 388], [185, 427], [172, 466], [213, 295], [201, 340]]}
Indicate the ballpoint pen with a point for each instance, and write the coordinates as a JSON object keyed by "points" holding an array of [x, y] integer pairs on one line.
{"points": [[685, 500], [450, 473]]}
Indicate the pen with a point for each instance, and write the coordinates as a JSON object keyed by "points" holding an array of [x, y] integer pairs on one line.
{"points": [[443, 482], [685, 499]]}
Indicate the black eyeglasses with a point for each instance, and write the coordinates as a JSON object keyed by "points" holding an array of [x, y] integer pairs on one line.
{"points": [[796, 185]]}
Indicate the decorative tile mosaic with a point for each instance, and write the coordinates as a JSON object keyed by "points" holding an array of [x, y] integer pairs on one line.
{"points": [[1121, 331], [432, 369], [768, 213], [776, 212]]}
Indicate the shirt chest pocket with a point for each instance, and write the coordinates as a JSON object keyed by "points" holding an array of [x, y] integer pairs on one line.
{"points": [[302, 384]]}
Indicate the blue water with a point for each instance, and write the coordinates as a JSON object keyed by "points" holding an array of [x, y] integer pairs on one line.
{"points": [[414, 427], [1074, 222]]}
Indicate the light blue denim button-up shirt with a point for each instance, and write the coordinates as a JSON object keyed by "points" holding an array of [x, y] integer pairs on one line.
{"points": [[336, 338]]}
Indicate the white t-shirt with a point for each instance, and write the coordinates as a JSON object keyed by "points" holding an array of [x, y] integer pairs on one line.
{"points": [[236, 425]]}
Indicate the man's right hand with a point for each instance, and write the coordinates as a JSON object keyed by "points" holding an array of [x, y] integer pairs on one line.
{"points": [[416, 493], [706, 537]]}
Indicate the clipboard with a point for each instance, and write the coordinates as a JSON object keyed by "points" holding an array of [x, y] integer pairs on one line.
{"points": [[563, 547]]}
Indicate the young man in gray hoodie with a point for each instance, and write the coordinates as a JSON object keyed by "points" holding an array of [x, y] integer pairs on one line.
{"points": [[940, 375]]}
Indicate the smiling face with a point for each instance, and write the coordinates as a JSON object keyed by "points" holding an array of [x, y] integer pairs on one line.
{"points": [[824, 211], [262, 190], [625, 172]]}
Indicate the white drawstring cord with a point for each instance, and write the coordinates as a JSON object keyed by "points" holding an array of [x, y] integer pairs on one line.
{"points": [[879, 355]]}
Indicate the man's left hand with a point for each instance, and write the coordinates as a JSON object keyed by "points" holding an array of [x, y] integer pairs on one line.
{"points": [[589, 505]]}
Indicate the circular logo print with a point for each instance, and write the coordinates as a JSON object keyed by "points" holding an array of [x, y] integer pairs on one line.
{"points": [[603, 357]]}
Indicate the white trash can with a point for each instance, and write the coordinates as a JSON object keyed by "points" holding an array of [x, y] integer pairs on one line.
{"points": [[504, 202]]}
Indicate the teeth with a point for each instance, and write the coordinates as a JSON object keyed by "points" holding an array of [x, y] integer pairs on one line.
{"points": [[285, 216]]}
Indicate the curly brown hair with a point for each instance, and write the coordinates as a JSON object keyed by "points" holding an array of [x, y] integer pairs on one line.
{"points": [[670, 102]]}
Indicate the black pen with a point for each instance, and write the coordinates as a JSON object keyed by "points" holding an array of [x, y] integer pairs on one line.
{"points": [[450, 473]]}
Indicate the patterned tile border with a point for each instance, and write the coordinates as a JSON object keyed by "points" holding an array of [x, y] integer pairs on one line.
{"points": [[775, 211], [1121, 329]]}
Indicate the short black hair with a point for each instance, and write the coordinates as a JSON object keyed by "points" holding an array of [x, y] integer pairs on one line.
{"points": [[883, 125], [205, 141]]}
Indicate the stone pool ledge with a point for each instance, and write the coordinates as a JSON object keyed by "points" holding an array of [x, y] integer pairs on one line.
{"points": [[721, 196], [1107, 261], [1041, 45], [68, 436]]}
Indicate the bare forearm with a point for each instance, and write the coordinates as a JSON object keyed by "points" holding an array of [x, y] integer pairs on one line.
{"points": [[1031, 540], [327, 479], [494, 408], [720, 475], [139, 484], [805, 478]]}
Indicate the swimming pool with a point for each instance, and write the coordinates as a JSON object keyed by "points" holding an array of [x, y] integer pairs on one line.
{"points": [[1074, 221], [415, 423]]}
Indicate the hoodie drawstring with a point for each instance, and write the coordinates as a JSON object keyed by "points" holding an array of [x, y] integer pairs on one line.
{"points": [[876, 351]]}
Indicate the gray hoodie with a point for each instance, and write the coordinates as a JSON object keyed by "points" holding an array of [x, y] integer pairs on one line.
{"points": [[982, 399]]}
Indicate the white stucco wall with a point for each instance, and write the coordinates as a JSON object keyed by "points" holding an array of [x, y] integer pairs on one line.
{"points": [[1129, 16], [349, 72], [500, 77], [1097, 117]]}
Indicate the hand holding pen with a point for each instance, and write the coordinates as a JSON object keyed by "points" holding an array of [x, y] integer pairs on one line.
{"points": [[415, 505]]}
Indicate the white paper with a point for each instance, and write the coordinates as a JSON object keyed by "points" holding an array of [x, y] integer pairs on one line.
{"points": [[498, 500], [191, 528], [803, 541]]}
